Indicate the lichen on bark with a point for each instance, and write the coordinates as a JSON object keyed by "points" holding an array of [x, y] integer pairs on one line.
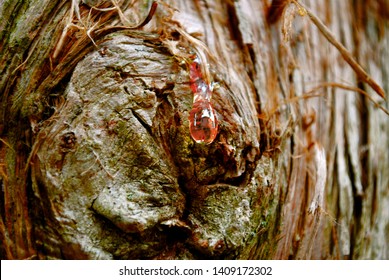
{"points": [[96, 160], [111, 159]]}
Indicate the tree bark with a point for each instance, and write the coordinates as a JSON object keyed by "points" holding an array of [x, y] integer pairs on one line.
{"points": [[96, 156]]}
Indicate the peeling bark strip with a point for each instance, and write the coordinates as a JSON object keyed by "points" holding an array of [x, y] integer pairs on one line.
{"points": [[346, 54], [276, 10], [97, 161]]}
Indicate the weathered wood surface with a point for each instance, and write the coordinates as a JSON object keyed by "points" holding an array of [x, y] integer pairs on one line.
{"points": [[96, 160]]}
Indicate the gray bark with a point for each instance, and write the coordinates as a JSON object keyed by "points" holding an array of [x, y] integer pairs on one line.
{"points": [[96, 158]]}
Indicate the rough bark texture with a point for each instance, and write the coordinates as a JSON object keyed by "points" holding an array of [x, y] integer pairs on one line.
{"points": [[96, 159]]}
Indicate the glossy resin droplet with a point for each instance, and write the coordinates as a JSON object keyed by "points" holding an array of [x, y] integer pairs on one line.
{"points": [[203, 122]]}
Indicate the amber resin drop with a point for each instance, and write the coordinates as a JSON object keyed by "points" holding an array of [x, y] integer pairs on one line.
{"points": [[203, 122]]}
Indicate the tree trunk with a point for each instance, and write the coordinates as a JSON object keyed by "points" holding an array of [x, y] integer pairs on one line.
{"points": [[96, 155]]}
